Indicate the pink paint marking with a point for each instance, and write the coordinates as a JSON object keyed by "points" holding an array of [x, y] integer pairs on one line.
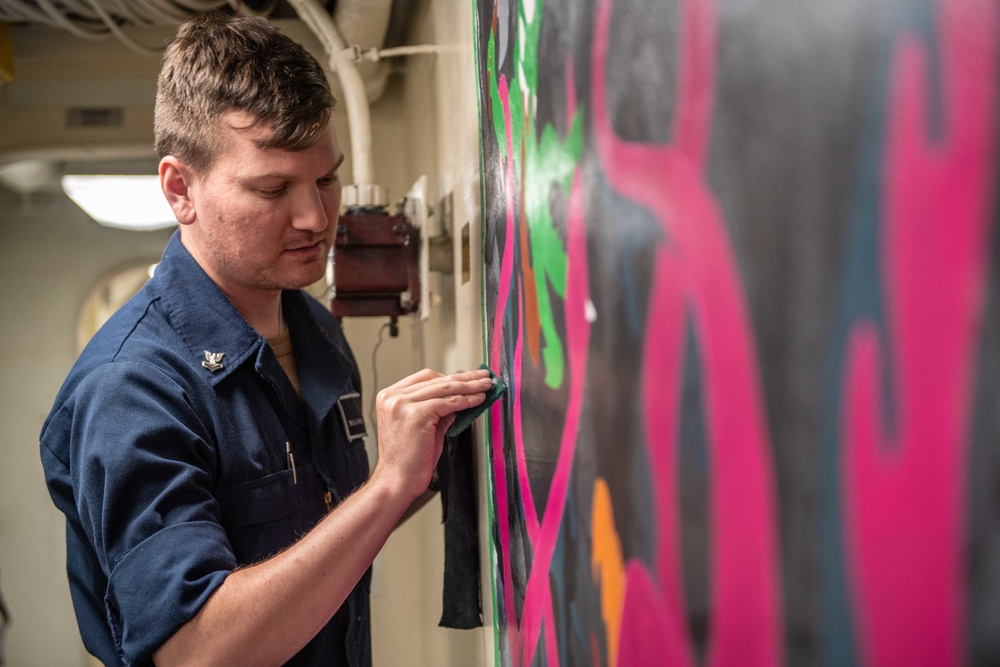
{"points": [[904, 492], [648, 625], [507, 259], [746, 565], [537, 608], [503, 518], [527, 496], [538, 601], [577, 344], [696, 82], [747, 619], [496, 413], [548, 615], [642, 176], [661, 401]]}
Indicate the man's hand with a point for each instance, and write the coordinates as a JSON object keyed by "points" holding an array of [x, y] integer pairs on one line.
{"points": [[413, 415]]}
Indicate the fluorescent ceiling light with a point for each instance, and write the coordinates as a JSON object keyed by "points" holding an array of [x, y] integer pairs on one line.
{"points": [[126, 201]]}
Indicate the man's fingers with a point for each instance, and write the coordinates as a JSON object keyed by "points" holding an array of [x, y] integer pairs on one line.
{"points": [[428, 385], [431, 402], [402, 387], [449, 385], [416, 378]]}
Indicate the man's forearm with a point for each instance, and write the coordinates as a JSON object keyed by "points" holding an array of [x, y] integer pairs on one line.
{"points": [[265, 613]]}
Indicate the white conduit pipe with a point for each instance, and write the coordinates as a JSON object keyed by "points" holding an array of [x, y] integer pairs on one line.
{"points": [[355, 98], [366, 23], [376, 55]]}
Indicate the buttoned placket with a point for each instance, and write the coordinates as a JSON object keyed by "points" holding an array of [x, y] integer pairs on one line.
{"points": [[297, 445]]}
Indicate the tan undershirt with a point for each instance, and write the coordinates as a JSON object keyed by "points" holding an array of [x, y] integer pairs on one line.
{"points": [[282, 346]]}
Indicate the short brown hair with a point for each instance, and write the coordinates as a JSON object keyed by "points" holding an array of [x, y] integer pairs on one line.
{"points": [[218, 63]]}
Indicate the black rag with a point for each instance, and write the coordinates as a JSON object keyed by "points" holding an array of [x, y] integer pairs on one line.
{"points": [[464, 418], [456, 474]]}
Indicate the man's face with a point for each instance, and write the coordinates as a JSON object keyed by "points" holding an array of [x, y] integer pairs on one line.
{"points": [[264, 218]]}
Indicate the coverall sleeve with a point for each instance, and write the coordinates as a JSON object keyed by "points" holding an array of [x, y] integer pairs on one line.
{"points": [[142, 469]]}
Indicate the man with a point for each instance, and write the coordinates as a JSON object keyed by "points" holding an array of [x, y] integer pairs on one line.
{"points": [[203, 436]]}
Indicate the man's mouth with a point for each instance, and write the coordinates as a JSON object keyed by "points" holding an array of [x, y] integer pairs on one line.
{"points": [[305, 247]]}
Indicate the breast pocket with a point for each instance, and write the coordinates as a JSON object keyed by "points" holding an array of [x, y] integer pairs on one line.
{"points": [[263, 516]]}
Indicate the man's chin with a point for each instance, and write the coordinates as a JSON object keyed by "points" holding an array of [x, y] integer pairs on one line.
{"points": [[300, 279]]}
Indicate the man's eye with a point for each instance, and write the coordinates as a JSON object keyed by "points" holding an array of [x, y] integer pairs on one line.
{"points": [[271, 192]]}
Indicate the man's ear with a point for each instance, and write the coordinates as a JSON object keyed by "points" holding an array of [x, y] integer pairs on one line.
{"points": [[176, 180]]}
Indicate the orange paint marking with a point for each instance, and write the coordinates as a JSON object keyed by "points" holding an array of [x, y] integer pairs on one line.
{"points": [[607, 566]]}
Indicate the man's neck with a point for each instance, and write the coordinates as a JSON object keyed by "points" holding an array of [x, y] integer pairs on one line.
{"points": [[263, 312]]}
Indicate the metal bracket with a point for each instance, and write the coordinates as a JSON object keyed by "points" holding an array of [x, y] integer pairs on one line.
{"points": [[350, 54]]}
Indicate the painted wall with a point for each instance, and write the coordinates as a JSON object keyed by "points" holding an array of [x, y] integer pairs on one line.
{"points": [[742, 278], [51, 255], [426, 125]]}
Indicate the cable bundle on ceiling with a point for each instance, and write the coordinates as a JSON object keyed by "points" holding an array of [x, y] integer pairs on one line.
{"points": [[96, 19]]}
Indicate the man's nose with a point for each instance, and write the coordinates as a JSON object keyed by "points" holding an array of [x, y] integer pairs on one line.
{"points": [[310, 212]]}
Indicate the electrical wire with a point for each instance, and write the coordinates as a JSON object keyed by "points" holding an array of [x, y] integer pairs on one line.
{"points": [[119, 33], [242, 9], [63, 21], [97, 19], [200, 6], [127, 12], [374, 389], [77, 7], [165, 12], [13, 11]]}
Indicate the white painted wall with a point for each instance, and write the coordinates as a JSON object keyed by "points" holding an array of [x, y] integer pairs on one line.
{"points": [[49, 260], [51, 255], [427, 124]]}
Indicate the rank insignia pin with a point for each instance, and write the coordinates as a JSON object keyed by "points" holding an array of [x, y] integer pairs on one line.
{"points": [[213, 361]]}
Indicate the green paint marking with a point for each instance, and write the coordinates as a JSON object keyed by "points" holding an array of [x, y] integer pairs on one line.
{"points": [[548, 161]]}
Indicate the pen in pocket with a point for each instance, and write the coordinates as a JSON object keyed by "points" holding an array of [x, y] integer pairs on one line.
{"points": [[291, 462]]}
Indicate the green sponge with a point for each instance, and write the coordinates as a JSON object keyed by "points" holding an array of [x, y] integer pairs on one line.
{"points": [[464, 418]]}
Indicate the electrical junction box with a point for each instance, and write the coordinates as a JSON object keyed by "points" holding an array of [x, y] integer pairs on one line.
{"points": [[6, 54], [376, 266]]}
